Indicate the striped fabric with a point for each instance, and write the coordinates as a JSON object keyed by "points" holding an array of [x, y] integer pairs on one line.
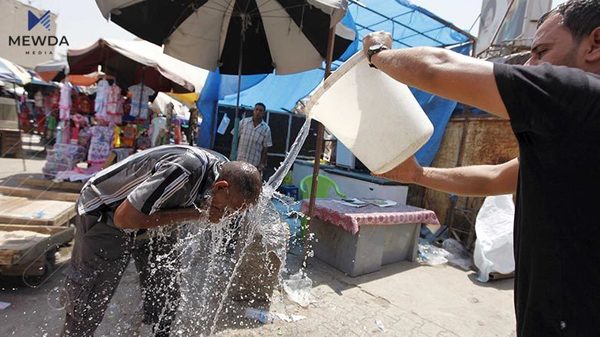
{"points": [[168, 176], [253, 140]]}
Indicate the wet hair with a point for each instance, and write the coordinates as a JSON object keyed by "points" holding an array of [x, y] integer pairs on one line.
{"points": [[581, 17], [244, 178], [261, 104]]}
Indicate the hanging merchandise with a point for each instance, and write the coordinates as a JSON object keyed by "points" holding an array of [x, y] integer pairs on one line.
{"points": [[65, 127], [39, 113], [114, 106], [84, 137], [129, 134], [142, 142], [159, 130], [84, 104], [52, 99], [177, 130], [62, 157], [140, 94], [65, 101], [99, 144], [51, 126], [116, 141], [101, 103], [77, 122]]}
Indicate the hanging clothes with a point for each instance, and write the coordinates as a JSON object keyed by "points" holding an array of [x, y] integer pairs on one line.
{"points": [[139, 100], [114, 107], [101, 102], [64, 104]]}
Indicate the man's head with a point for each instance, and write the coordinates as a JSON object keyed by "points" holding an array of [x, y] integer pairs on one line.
{"points": [[259, 111], [569, 35], [237, 188]]}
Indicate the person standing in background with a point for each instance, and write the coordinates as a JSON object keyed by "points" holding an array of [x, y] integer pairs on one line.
{"points": [[255, 138]]}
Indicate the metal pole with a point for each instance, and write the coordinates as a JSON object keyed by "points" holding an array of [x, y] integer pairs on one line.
{"points": [[20, 143], [236, 119], [318, 151]]}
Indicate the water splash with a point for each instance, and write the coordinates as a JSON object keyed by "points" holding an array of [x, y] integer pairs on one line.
{"points": [[221, 269]]}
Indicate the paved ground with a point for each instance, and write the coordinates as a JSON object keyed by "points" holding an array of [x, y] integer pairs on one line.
{"points": [[402, 299]]}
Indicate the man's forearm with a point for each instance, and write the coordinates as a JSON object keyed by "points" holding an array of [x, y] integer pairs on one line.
{"points": [[479, 180], [411, 66], [127, 216], [444, 73], [170, 217]]}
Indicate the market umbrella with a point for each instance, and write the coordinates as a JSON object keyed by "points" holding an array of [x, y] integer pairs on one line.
{"points": [[238, 36]]}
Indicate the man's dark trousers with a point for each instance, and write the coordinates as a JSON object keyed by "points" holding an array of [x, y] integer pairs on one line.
{"points": [[100, 255]]}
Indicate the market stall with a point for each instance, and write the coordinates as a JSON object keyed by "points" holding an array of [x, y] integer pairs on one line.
{"points": [[113, 118]]}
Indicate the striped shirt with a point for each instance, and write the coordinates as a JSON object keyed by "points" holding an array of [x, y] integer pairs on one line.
{"points": [[253, 140], [168, 176]]}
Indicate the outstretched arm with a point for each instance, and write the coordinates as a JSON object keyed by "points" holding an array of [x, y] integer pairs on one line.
{"points": [[441, 72], [477, 180], [127, 216]]}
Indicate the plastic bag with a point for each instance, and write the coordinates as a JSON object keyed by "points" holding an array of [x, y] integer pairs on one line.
{"points": [[432, 255], [298, 288], [458, 256], [494, 245]]}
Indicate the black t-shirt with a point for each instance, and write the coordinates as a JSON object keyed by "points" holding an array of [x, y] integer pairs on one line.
{"points": [[555, 115]]}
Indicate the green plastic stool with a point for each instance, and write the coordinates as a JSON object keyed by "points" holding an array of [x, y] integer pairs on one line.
{"points": [[325, 184]]}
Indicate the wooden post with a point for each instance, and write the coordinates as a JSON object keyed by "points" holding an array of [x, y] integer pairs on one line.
{"points": [[318, 151]]}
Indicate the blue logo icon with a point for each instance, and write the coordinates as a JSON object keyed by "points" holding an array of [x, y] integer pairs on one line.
{"points": [[43, 20]]}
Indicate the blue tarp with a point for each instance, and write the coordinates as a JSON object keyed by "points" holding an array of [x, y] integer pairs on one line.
{"points": [[410, 26]]}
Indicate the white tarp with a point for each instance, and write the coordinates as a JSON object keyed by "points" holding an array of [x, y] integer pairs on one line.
{"points": [[151, 55], [181, 111]]}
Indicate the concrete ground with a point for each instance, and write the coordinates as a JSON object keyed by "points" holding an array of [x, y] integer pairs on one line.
{"points": [[402, 299]]}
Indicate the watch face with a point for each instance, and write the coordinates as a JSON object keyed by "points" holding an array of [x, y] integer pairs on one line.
{"points": [[376, 46]]}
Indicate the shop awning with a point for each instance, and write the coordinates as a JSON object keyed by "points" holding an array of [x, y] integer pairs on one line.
{"points": [[132, 61]]}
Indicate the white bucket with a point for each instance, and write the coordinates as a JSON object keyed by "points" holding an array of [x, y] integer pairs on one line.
{"points": [[373, 115]]}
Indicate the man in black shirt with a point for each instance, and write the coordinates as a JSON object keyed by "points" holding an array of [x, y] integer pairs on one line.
{"points": [[553, 104]]}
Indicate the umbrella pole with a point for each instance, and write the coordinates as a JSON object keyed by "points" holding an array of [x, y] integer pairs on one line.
{"points": [[318, 152], [18, 109], [141, 94], [236, 120]]}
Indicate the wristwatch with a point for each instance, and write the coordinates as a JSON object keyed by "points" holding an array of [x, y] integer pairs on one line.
{"points": [[374, 49]]}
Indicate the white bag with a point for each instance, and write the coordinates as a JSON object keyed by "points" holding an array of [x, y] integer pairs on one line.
{"points": [[494, 245]]}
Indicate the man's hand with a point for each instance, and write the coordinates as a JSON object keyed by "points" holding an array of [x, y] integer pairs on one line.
{"points": [[408, 172], [381, 37]]}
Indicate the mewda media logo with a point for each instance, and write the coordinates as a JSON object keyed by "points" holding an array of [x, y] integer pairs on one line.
{"points": [[36, 42]]}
